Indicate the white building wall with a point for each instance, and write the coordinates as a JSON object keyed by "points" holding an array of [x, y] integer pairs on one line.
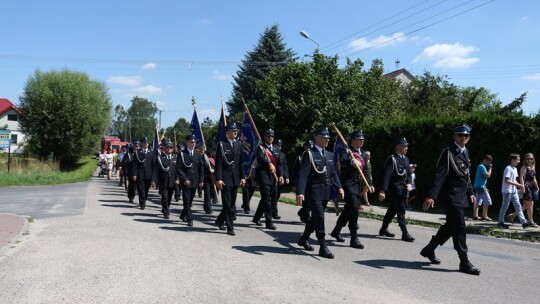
{"points": [[14, 127]]}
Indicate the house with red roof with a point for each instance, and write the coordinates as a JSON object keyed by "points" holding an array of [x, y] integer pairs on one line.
{"points": [[10, 116]]}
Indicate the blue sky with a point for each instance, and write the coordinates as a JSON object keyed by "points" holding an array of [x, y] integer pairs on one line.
{"points": [[168, 51]]}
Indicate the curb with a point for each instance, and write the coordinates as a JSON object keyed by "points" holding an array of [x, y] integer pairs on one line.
{"points": [[12, 227]]}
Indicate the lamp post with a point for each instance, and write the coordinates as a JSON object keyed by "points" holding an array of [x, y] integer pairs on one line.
{"points": [[305, 35]]}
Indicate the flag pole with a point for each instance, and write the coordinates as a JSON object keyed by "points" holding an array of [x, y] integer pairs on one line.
{"points": [[333, 125], [256, 132]]}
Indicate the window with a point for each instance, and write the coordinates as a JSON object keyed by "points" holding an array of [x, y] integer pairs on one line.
{"points": [[12, 117], [14, 139]]}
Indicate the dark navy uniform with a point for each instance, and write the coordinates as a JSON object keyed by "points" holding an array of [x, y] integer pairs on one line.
{"points": [[127, 169], [267, 155], [315, 178], [143, 170], [208, 180], [165, 177], [230, 171], [249, 188], [285, 175], [353, 185], [190, 169], [396, 177], [303, 212], [452, 186]]}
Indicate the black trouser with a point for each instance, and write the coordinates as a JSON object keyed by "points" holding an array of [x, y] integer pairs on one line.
{"points": [[350, 212], [275, 201], [187, 200], [143, 186], [454, 228], [209, 195], [166, 196], [268, 194], [130, 188], [228, 199], [247, 194], [316, 222], [397, 207], [177, 190]]}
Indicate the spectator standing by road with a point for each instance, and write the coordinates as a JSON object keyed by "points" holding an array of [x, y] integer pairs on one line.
{"points": [[483, 172], [509, 189]]}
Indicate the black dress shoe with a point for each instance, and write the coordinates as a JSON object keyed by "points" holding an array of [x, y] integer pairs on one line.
{"points": [[271, 227], [220, 226], [468, 268], [257, 223], [190, 223], [231, 232], [355, 243], [166, 216], [246, 211], [276, 217], [337, 236], [142, 207], [305, 244], [183, 218], [209, 212], [407, 238], [430, 255], [384, 232], [325, 253]]}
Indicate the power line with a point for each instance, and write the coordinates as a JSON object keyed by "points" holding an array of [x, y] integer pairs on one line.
{"points": [[378, 29], [419, 29]]}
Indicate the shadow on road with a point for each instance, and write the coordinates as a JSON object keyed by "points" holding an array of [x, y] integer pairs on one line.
{"points": [[382, 264]]}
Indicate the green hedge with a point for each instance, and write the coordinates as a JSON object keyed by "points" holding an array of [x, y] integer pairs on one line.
{"points": [[498, 134]]}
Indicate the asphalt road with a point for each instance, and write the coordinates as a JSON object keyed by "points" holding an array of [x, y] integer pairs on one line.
{"points": [[115, 253]]}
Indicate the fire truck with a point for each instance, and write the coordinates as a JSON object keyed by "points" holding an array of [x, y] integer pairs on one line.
{"points": [[112, 142]]}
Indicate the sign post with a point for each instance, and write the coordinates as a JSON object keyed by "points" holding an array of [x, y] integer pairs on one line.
{"points": [[5, 143]]}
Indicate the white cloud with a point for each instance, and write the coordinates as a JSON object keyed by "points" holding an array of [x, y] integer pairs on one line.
{"points": [[532, 76], [205, 22], [125, 80], [449, 55], [149, 66], [219, 76], [148, 90], [379, 42]]}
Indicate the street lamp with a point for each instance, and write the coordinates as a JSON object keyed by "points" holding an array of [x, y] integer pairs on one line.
{"points": [[305, 35]]}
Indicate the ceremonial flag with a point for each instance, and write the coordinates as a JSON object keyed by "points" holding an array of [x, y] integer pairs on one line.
{"points": [[250, 141], [338, 147], [222, 127], [195, 127]]}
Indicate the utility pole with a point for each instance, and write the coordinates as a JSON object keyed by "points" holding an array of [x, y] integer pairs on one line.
{"points": [[159, 128]]}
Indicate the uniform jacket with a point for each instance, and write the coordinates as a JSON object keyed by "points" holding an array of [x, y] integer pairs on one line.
{"points": [[264, 177], [229, 167], [396, 175], [190, 168], [316, 185], [452, 182], [284, 165], [127, 164], [349, 176], [142, 164], [165, 171]]}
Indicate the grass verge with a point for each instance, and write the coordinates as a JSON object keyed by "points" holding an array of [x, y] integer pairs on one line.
{"points": [[36, 176]]}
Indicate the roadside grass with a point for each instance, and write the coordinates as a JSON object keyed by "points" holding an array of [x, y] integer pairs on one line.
{"points": [[32, 172]]}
